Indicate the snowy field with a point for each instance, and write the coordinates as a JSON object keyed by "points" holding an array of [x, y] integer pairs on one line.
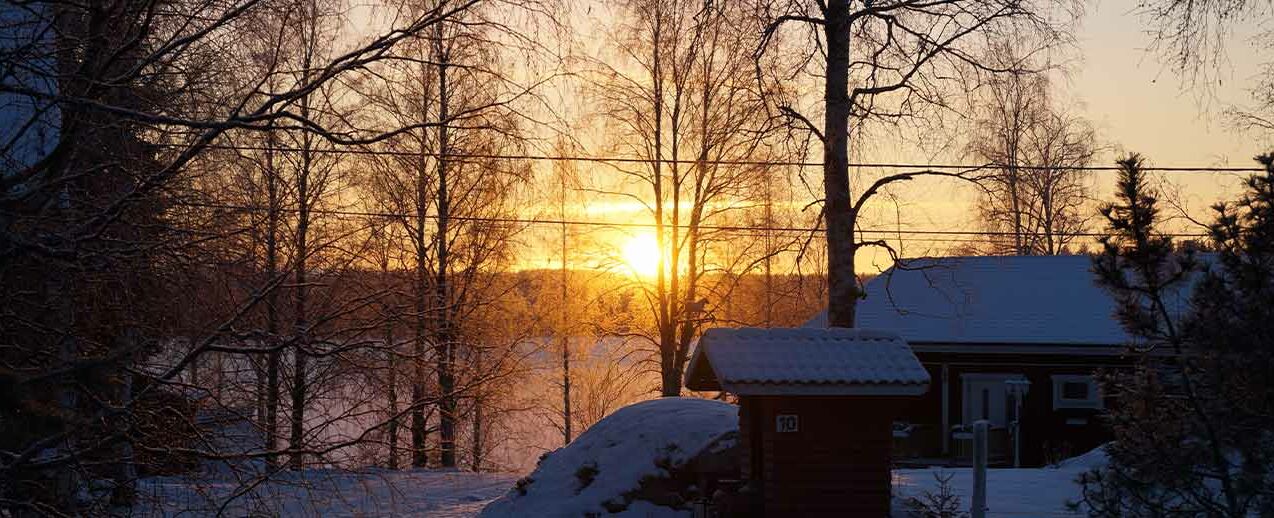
{"points": [[1041, 492], [314, 493], [631, 449], [446, 494], [1010, 492]]}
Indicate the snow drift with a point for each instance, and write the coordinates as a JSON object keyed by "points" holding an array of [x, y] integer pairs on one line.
{"points": [[1094, 459], [611, 467]]}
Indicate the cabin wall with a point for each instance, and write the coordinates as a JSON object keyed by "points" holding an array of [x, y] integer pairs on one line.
{"points": [[836, 463], [1048, 434]]}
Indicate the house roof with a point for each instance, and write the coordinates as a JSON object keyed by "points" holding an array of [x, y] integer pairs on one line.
{"points": [[1025, 300], [29, 123], [785, 361]]}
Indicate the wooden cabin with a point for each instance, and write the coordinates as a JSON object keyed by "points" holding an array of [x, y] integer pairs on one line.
{"points": [[1013, 340], [816, 413]]}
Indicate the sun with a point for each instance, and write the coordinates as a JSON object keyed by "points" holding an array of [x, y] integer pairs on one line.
{"points": [[641, 254]]}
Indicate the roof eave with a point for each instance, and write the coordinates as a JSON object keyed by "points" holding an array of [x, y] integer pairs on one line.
{"points": [[826, 389], [699, 374]]}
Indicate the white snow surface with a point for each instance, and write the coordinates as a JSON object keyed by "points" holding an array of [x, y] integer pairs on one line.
{"points": [[624, 448], [323, 493], [1096, 458], [806, 356], [1041, 492], [1037, 492], [1046, 300]]}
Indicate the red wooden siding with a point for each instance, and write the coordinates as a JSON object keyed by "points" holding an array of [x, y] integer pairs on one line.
{"points": [[1047, 434], [836, 464]]}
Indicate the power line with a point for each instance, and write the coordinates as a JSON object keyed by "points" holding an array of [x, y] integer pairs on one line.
{"points": [[773, 163], [628, 224]]}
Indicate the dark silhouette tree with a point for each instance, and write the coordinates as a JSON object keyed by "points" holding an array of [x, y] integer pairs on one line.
{"points": [[1192, 420], [887, 61]]}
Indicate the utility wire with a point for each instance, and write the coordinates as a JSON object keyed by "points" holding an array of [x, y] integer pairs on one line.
{"points": [[626, 224], [775, 163]]}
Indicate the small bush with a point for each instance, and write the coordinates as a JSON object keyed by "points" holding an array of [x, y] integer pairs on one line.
{"points": [[522, 484], [615, 505], [943, 503], [586, 474]]}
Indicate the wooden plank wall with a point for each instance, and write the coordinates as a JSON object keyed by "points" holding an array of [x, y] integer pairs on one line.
{"points": [[836, 464]]}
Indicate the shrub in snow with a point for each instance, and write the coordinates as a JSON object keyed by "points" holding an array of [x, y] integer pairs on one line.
{"points": [[586, 474], [941, 502], [636, 461]]}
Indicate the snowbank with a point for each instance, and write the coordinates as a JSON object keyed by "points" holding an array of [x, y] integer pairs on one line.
{"points": [[323, 494], [1096, 458], [599, 472]]}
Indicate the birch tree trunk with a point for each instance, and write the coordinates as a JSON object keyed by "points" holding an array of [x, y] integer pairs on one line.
{"points": [[840, 215], [445, 346]]}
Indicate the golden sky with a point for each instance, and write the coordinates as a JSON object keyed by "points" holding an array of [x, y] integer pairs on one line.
{"points": [[1137, 105], [1134, 102]]}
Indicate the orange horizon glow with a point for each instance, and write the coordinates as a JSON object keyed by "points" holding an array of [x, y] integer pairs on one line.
{"points": [[641, 255]]}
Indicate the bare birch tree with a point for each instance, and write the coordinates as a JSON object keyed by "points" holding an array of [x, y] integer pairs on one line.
{"points": [[451, 85], [886, 62], [1036, 196], [122, 100], [679, 94]]}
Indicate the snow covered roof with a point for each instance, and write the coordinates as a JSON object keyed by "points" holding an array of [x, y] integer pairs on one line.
{"points": [[29, 124], [751, 361], [1035, 300]]}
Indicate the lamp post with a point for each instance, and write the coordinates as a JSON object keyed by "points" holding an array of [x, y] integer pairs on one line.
{"points": [[1017, 388]]}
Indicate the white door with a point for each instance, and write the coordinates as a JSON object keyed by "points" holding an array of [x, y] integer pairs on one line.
{"points": [[985, 397]]}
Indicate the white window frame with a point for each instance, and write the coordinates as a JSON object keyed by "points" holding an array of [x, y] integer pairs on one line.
{"points": [[1093, 401]]}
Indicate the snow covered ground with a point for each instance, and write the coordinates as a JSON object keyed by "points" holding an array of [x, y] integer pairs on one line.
{"points": [[1010, 492], [1040, 492], [445, 494], [602, 469], [317, 493]]}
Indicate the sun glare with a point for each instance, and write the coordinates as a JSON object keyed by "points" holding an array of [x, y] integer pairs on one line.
{"points": [[641, 254]]}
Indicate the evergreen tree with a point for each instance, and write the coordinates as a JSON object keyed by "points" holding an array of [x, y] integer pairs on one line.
{"points": [[1194, 420]]}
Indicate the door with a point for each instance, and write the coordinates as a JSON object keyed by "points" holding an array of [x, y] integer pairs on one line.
{"points": [[985, 397]]}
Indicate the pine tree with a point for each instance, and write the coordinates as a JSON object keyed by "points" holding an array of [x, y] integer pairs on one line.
{"points": [[1193, 419]]}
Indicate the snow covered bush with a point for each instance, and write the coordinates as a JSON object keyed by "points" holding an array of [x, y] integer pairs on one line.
{"points": [[635, 461]]}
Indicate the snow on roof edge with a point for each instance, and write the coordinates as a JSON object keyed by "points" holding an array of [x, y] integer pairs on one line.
{"points": [[838, 361]]}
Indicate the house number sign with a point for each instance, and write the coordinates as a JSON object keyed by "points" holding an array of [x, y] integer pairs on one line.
{"points": [[785, 423]]}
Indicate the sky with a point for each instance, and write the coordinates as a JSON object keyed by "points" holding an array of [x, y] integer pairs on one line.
{"points": [[1137, 105], [1142, 106], [1134, 102]]}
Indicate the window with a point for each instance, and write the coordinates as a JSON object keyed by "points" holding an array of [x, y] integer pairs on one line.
{"points": [[1075, 391]]}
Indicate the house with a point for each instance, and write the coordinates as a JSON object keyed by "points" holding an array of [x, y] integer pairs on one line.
{"points": [[816, 408], [1002, 338]]}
